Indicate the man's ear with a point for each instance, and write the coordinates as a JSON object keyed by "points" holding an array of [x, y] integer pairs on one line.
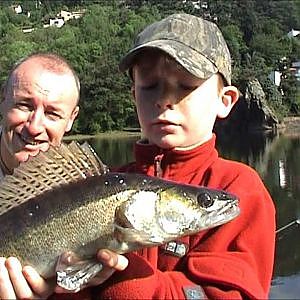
{"points": [[133, 92], [2, 98], [72, 118], [229, 96], [1, 106]]}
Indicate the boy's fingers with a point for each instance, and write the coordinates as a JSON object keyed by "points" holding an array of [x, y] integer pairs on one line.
{"points": [[6, 288], [112, 260], [18, 282], [38, 284], [67, 258]]}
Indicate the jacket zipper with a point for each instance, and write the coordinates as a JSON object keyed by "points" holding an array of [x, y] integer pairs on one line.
{"points": [[157, 165]]}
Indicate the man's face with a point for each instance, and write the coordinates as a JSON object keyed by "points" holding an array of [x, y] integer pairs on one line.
{"points": [[38, 108], [175, 108]]}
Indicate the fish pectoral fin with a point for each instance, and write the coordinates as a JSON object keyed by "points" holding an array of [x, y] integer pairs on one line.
{"points": [[74, 277], [134, 236]]}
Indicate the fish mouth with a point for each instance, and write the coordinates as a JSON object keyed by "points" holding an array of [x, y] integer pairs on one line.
{"points": [[226, 196], [224, 215]]}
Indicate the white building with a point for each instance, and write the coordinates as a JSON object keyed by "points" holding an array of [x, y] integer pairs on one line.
{"points": [[57, 22], [296, 69], [18, 9], [63, 17], [27, 30], [275, 77], [66, 15], [293, 33]]}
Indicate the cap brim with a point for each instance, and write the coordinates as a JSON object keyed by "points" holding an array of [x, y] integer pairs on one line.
{"points": [[193, 61]]}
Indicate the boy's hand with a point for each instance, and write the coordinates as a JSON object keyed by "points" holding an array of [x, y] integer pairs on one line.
{"points": [[111, 262], [18, 283]]}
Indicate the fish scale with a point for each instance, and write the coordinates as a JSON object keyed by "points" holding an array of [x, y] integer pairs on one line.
{"points": [[75, 204]]}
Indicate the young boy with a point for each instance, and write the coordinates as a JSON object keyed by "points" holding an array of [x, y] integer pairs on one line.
{"points": [[181, 72]]}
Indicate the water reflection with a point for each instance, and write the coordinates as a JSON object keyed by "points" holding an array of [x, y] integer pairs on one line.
{"points": [[252, 149], [114, 151], [276, 158]]}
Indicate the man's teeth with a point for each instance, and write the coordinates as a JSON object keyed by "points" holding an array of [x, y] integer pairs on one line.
{"points": [[33, 143]]}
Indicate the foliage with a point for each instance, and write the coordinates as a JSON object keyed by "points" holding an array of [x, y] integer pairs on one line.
{"points": [[256, 33]]}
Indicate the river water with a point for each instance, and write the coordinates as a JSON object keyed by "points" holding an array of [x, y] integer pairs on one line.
{"points": [[276, 157]]}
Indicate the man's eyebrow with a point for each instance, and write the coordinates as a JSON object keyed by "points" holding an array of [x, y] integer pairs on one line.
{"points": [[59, 112], [20, 96]]}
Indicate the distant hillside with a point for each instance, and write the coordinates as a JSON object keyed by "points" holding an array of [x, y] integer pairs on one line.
{"points": [[256, 32]]}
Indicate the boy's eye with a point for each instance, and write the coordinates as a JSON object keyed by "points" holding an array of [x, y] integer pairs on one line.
{"points": [[149, 86], [188, 87]]}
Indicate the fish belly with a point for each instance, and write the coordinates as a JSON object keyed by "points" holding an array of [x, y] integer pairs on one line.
{"points": [[82, 229]]}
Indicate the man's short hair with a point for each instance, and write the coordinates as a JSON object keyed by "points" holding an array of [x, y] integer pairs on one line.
{"points": [[49, 61]]}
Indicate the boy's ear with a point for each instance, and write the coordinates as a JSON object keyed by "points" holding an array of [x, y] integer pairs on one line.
{"points": [[229, 96]]}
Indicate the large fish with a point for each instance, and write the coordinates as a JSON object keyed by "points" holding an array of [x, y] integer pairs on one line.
{"points": [[66, 200]]}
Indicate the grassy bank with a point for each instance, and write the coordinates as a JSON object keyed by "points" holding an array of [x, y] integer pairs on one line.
{"points": [[289, 124], [110, 134]]}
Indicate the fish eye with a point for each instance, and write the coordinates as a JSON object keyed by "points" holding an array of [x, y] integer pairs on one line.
{"points": [[205, 200]]}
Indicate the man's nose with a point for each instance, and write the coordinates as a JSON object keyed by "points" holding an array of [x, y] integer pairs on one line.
{"points": [[35, 122]]}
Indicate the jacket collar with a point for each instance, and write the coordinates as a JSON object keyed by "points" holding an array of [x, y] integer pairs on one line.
{"points": [[174, 164]]}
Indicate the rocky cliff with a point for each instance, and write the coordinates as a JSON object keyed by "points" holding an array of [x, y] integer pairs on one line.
{"points": [[251, 112]]}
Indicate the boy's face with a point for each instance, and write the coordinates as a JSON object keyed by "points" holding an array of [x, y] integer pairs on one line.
{"points": [[175, 108]]}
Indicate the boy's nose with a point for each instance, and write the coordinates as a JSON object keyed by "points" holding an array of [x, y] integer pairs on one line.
{"points": [[35, 122], [164, 104], [166, 98]]}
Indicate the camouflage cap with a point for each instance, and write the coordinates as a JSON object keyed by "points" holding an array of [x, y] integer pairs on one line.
{"points": [[196, 44]]}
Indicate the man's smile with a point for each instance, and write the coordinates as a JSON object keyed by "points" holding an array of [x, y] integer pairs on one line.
{"points": [[30, 141]]}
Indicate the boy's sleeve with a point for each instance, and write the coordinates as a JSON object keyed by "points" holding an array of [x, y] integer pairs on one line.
{"points": [[141, 280], [234, 261]]}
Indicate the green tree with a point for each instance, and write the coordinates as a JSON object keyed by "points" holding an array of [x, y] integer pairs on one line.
{"points": [[255, 30], [237, 47]]}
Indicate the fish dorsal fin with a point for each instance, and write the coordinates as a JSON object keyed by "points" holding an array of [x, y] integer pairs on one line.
{"points": [[86, 150], [59, 165]]}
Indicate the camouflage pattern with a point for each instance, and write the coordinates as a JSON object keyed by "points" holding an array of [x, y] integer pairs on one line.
{"points": [[196, 44]]}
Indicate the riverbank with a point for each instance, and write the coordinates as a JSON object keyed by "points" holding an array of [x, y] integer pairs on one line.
{"points": [[110, 134], [292, 122], [290, 125]]}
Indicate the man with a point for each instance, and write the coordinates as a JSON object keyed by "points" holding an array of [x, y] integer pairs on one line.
{"points": [[37, 108], [39, 104]]}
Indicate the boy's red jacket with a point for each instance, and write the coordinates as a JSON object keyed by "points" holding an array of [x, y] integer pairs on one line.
{"points": [[232, 261]]}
